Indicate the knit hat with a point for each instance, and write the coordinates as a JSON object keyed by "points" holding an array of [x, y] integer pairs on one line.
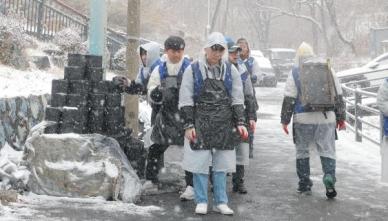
{"points": [[175, 43]]}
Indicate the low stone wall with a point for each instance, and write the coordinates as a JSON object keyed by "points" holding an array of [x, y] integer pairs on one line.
{"points": [[18, 115]]}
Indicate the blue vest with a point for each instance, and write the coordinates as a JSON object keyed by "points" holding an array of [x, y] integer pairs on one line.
{"points": [[198, 79], [145, 80], [248, 64], [163, 73], [298, 105]]}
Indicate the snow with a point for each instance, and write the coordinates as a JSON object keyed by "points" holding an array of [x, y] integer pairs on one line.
{"points": [[14, 83], [29, 207]]}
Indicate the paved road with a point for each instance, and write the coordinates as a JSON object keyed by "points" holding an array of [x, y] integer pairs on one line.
{"points": [[271, 181]]}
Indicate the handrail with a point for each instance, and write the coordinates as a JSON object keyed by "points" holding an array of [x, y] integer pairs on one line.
{"points": [[356, 111]]}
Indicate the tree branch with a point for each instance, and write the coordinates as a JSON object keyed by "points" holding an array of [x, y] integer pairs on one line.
{"points": [[292, 14]]}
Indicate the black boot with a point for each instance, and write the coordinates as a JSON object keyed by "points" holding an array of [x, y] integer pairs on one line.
{"points": [[303, 171], [238, 180], [329, 179], [153, 164]]}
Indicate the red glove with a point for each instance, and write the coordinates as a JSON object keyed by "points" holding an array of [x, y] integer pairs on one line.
{"points": [[191, 135], [285, 128], [341, 125], [243, 132]]}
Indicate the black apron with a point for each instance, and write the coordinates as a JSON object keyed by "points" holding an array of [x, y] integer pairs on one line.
{"points": [[168, 128], [214, 117]]}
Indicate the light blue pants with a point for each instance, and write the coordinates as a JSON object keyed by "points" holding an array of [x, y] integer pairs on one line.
{"points": [[219, 188]]}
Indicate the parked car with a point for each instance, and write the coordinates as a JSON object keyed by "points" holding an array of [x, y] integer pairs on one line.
{"points": [[267, 76], [282, 60], [376, 68]]}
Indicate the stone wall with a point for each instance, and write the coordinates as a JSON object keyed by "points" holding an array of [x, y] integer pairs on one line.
{"points": [[18, 115]]}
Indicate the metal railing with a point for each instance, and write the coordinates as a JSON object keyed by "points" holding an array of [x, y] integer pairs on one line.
{"points": [[361, 109], [44, 20]]}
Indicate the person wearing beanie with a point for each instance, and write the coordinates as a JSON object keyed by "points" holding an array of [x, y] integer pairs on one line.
{"points": [[242, 150], [312, 128], [211, 101], [253, 69], [163, 89]]}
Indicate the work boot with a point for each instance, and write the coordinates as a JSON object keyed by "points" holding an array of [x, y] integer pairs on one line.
{"points": [[329, 182], [328, 167], [238, 180], [240, 188], [303, 172]]}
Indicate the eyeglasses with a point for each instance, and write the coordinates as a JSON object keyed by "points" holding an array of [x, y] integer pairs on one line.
{"points": [[217, 47]]}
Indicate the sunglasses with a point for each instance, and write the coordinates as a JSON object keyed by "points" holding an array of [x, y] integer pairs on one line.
{"points": [[217, 47]]}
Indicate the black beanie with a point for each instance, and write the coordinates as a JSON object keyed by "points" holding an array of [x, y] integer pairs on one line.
{"points": [[175, 43]]}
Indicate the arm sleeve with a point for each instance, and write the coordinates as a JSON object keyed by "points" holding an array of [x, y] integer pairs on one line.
{"points": [[287, 110], [290, 89], [153, 82], [237, 98], [237, 88], [382, 98], [250, 100], [186, 92]]}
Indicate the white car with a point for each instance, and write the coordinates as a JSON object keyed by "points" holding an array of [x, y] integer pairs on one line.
{"points": [[375, 69], [267, 76]]}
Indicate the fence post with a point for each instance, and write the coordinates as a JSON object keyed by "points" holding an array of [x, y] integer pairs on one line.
{"points": [[357, 113], [40, 19]]}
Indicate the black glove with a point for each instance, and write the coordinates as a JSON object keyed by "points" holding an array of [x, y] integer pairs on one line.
{"points": [[250, 104], [287, 110], [156, 95], [187, 114], [340, 108], [238, 114]]}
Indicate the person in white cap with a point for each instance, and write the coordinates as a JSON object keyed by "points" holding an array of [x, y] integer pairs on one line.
{"points": [[211, 101]]}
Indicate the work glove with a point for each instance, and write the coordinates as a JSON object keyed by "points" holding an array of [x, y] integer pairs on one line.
{"points": [[285, 128], [242, 130], [341, 125], [121, 82], [252, 125], [190, 134], [156, 95]]}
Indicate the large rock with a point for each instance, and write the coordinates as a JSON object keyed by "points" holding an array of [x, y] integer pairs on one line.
{"points": [[76, 165]]}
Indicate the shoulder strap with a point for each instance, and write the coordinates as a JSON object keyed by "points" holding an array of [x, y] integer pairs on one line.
{"points": [[163, 73], [198, 80], [228, 81], [295, 74]]}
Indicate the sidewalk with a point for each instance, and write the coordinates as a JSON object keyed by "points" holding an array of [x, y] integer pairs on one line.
{"points": [[271, 181]]}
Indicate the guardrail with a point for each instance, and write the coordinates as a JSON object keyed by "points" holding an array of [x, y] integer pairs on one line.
{"points": [[363, 117]]}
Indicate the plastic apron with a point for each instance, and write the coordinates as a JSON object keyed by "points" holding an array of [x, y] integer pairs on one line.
{"points": [[168, 128]]}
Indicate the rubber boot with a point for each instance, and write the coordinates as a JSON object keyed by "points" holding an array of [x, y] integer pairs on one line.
{"points": [[238, 180], [329, 179], [303, 172]]}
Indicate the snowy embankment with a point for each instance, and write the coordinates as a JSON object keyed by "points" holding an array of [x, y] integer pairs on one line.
{"points": [[18, 83]]}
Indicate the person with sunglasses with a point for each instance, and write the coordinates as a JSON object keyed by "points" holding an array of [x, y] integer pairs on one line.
{"points": [[211, 101], [242, 150]]}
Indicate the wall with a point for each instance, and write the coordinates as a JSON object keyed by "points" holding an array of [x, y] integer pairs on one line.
{"points": [[18, 115]]}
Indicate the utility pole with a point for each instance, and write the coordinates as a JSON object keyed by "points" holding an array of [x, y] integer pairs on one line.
{"points": [[97, 27], [133, 32]]}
